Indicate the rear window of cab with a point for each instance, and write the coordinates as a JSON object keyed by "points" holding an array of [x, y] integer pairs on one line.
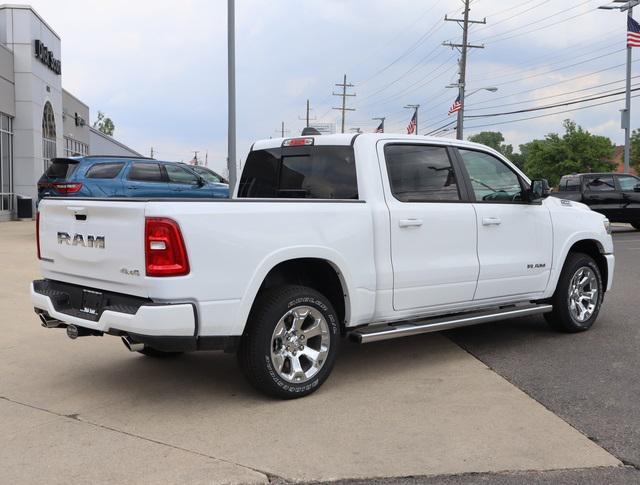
{"points": [[315, 172]]}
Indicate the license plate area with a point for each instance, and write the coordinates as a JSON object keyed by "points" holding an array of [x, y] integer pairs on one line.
{"points": [[91, 302]]}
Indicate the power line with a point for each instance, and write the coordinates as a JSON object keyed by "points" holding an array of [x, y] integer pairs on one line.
{"points": [[556, 83], [529, 24], [557, 105], [506, 73], [606, 54], [514, 15], [552, 95], [550, 114]]}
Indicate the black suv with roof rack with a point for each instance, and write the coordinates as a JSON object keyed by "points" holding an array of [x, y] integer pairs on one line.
{"points": [[616, 195]]}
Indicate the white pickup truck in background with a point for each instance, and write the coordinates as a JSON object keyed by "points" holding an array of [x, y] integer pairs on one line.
{"points": [[370, 236]]}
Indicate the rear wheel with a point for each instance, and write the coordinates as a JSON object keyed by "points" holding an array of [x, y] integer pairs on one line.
{"points": [[290, 343], [578, 296]]}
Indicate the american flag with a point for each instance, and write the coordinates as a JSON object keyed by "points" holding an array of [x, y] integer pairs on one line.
{"points": [[380, 128], [633, 33], [456, 106], [411, 127]]}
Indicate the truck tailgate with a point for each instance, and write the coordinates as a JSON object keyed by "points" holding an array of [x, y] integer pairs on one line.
{"points": [[94, 243]]}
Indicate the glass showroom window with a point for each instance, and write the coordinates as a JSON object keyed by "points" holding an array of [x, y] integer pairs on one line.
{"points": [[74, 148], [48, 135], [6, 163]]}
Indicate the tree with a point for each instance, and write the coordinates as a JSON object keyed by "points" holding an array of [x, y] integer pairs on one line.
{"points": [[576, 151], [635, 150], [104, 124], [493, 139]]}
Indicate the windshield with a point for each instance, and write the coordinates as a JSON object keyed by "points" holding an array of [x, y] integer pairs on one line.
{"points": [[61, 169], [206, 174]]}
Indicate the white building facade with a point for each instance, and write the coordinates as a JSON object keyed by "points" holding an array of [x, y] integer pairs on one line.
{"points": [[39, 120]]}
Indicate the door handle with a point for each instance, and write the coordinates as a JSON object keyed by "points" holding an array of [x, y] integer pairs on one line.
{"points": [[491, 221], [410, 222]]}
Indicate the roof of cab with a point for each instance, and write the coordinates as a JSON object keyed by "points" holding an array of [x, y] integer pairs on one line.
{"points": [[349, 139]]}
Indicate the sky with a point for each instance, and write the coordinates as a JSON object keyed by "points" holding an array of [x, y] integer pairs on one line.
{"points": [[158, 69]]}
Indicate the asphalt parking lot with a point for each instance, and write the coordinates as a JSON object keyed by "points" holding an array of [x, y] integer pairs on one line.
{"points": [[502, 403]]}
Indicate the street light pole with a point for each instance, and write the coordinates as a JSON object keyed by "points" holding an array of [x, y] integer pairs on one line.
{"points": [[627, 108], [625, 5], [231, 81]]}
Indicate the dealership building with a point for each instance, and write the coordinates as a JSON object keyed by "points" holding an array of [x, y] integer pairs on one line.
{"points": [[39, 120]]}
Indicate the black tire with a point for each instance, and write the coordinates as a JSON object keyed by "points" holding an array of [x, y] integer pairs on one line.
{"points": [[561, 318], [158, 354], [254, 353], [636, 225]]}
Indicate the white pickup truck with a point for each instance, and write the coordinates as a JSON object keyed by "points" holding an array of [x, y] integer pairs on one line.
{"points": [[371, 237]]}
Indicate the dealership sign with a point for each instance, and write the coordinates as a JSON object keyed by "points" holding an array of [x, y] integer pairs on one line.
{"points": [[46, 57]]}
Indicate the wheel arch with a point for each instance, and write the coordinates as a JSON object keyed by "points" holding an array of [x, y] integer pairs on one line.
{"points": [[593, 248], [322, 270]]}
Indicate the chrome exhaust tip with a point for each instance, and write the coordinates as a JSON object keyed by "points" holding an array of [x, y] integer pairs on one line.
{"points": [[131, 345], [48, 322]]}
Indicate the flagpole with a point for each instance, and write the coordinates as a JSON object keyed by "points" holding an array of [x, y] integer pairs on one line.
{"points": [[627, 108]]}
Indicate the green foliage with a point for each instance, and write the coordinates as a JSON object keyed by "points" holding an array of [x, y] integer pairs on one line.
{"points": [[104, 124], [575, 151], [635, 150], [495, 140]]}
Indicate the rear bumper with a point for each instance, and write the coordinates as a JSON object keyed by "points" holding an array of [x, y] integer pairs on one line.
{"points": [[141, 317], [610, 269], [171, 327]]}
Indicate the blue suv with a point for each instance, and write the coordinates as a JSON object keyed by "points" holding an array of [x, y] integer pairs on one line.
{"points": [[109, 176]]}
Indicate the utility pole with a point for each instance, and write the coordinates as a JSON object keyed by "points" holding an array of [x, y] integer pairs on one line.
{"points": [[195, 156], [307, 116], [344, 96], [151, 153], [231, 85], [464, 23], [415, 107], [282, 131], [626, 5], [381, 119]]}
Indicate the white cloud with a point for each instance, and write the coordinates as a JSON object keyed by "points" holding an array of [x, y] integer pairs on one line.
{"points": [[158, 67]]}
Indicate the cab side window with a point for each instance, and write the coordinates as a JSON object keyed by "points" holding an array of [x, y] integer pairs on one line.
{"points": [[421, 173], [628, 183], [601, 184], [491, 179]]}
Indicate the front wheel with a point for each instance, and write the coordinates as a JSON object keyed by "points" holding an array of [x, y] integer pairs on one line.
{"points": [[578, 296], [290, 343]]}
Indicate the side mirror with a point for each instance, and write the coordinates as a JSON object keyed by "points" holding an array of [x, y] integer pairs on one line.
{"points": [[201, 182], [636, 188], [539, 189]]}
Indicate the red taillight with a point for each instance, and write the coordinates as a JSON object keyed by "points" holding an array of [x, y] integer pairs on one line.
{"points": [[38, 233], [63, 188], [165, 252]]}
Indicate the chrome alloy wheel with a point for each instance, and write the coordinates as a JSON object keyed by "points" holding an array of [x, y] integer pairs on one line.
{"points": [[300, 344], [583, 294]]}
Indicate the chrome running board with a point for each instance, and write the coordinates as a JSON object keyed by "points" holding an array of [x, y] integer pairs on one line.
{"points": [[374, 333]]}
